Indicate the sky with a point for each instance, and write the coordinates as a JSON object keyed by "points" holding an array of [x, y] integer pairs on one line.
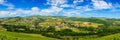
{"points": [[70, 8]]}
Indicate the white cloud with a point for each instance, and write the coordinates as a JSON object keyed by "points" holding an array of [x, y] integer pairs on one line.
{"points": [[76, 1], [51, 10], [35, 8], [84, 8], [56, 2], [63, 3], [9, 5], [21, 12], [67, 5], [34, 11], [46, 12], [70, 13], [101, 4], [17, 12], [4, 13], [1, 1]]}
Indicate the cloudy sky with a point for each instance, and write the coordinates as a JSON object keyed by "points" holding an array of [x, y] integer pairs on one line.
{"points": [[81, 8]]}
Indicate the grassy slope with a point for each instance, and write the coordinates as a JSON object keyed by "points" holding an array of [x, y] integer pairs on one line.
{"points": [[109, 37], [23, 36]]}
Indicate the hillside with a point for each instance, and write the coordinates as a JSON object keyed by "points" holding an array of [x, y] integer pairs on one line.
{"points": [[59, 27]]}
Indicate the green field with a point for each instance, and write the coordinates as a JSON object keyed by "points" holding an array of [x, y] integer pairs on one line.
{"points": [[22, 36]]}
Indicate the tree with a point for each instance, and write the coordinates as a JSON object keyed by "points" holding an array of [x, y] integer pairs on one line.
{"points": [[50, 29]]}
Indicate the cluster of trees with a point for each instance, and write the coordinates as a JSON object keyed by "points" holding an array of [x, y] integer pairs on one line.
{"points": [[48, 26]]}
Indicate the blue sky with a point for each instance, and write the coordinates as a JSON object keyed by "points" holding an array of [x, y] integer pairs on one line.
{"points": [[81, 8]]}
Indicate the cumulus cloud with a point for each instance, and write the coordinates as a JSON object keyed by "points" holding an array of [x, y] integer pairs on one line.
{"points": [[101, 4], [35, 8]]}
